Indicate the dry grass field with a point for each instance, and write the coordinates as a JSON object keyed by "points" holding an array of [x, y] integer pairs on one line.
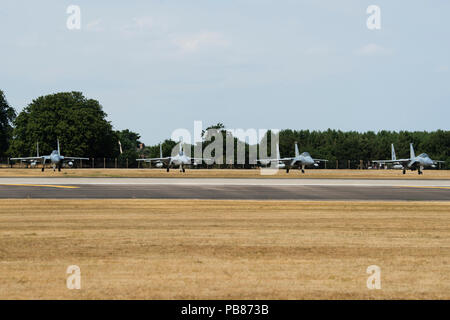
{"points": [[226, 173], [159, 249]]}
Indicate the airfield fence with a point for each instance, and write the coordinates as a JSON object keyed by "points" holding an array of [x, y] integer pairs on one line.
{"points": [[123, 163]]}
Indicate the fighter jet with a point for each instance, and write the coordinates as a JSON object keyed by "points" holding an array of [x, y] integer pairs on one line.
{"points": [[300, 160], [413, 163], [180, 160], [55, 158]]}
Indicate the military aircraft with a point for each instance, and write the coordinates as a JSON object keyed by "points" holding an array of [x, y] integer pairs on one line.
{"points": [[300, 160], [55, 158], [180, 160], [412, 163]]}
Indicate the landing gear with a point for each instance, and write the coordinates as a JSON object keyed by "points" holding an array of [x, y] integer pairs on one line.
{"points": [[184, 170], [42, 169], [404, 171], [420, 171], [287, 170], [168, 169], [303, 169]]}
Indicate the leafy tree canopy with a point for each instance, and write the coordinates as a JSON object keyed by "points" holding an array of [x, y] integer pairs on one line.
{"points": [[7, 116], [78, 122]]}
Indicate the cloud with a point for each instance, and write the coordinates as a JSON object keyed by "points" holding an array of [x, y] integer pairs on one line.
{"points": [[194, 42], [373, 49]]}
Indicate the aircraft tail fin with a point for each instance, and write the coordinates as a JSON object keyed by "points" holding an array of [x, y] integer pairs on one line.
{"points": [[411, 151], [160, 150], [181, 148], [297, 153], [59, 151], [37, 149], [394, 157]]}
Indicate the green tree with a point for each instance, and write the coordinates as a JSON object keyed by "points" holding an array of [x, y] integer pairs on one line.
{"points": [[78, 122], [7, 116]]}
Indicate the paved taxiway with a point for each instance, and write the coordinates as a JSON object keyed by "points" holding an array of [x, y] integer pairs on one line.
{"points": [[245, 189]]}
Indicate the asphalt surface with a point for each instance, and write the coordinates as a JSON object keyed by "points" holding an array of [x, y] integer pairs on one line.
{"points": [[234, 189]]}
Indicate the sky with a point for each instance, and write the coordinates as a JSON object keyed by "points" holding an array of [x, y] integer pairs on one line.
{"points": [[156, 66]]}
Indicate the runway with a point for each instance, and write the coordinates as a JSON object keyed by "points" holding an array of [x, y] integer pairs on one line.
{"points": [[221, 189]]}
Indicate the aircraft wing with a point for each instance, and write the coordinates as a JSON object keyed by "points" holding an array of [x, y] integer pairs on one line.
{"points": [[201, 159], [383, 161], [276, 159], [392, 161], [27, 159], [286, 161], [438, 161], [320, 160], [267, 160], [166, 159], [74, 158]]}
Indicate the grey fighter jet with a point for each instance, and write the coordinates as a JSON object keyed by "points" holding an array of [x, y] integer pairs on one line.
{"points": [[412, 163], [300, 160], [180, 160], [55, 158]]}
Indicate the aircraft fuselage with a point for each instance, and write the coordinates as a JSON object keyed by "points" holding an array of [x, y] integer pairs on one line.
{"points": [[302, 160]]}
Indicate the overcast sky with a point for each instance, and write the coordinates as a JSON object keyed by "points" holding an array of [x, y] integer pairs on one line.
{"points": [[156, 66]]}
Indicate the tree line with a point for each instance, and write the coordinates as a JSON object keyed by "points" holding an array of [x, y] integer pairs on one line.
{"points": [[79, 123], [83, 130]]}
